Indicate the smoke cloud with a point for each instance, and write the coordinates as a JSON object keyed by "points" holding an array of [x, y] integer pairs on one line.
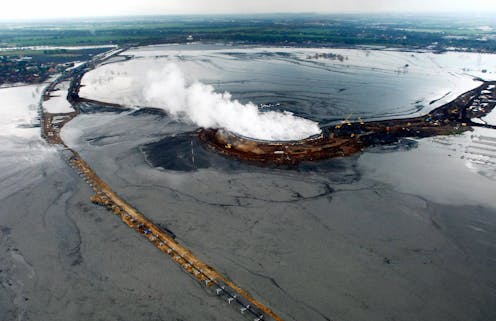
{"points": [[199, 103]]}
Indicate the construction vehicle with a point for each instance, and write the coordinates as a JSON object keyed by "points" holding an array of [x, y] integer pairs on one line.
{"points": [[345, 121]]}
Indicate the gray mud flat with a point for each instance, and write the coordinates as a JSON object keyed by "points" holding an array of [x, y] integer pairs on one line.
{"points": [[403, 232], [63, 258], [333, 240]]}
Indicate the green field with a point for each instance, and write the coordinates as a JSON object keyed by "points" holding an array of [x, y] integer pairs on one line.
{"points": [[301, 30]]}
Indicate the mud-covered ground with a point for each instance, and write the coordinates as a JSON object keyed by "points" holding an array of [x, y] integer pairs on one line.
{"points": [[401, 232]]}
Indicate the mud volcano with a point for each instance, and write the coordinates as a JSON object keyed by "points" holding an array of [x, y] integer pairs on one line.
{"points": [[287, 152], [349, 137]]}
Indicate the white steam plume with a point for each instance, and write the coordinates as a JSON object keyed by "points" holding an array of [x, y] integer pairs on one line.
{"points": [[199, 103]]}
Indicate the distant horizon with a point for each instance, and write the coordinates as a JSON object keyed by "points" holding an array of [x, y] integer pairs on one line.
{"points": [[26, 10], [260, 14]]}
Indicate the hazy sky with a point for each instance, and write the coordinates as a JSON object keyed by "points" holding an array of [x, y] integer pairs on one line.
{"points": [[29, 9]]}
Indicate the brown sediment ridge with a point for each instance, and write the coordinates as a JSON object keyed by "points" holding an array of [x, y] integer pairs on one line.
{"points": [[162, 238], [348, 137]]}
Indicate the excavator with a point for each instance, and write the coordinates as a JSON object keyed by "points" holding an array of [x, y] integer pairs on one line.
{"points": [[346, 121]]}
